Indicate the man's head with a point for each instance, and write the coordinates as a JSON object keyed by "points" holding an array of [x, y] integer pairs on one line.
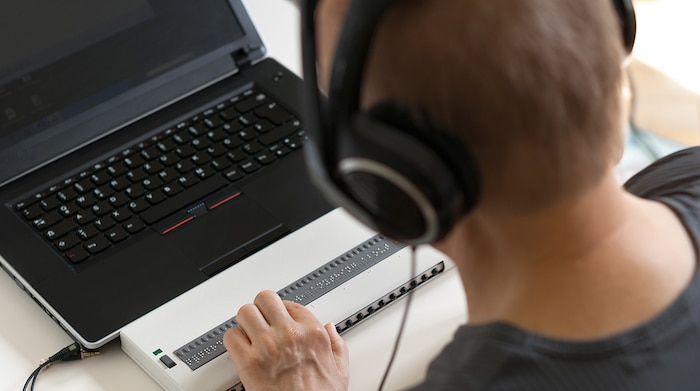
{"points": [[532, 88]]}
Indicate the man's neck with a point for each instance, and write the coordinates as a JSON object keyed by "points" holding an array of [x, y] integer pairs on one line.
{"points": [[578, 269]]}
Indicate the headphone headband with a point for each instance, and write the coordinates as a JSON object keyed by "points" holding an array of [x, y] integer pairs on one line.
{"points": [[408, 181]]}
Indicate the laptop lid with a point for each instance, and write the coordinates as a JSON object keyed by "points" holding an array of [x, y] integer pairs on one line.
{"points": [[184, 57], [79, 70]]}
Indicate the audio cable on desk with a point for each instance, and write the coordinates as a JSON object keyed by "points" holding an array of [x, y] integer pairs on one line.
{"points": [[70, 353]]}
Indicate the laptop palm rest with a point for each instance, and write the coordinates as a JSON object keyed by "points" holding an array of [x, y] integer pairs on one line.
{"points": [[225, 235]]}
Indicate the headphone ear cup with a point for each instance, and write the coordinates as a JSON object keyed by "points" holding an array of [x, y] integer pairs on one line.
{"points": [[408, 191], [628, 22]]}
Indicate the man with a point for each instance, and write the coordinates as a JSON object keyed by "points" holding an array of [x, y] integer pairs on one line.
{"points": [[573, 282]]}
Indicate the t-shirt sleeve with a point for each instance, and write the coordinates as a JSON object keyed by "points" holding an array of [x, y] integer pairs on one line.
{"points": [[675, 181]]}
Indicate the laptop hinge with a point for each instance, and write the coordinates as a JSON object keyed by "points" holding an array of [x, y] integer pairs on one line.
{"points": [[246, 55]]}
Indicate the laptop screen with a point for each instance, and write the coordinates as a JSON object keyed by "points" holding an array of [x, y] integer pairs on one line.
{"points": [[72, 70]]}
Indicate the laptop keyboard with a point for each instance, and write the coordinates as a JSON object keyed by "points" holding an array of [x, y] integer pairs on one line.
{"points": [[96, 209]]}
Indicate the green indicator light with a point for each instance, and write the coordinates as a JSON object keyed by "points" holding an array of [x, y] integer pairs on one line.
{"points": [[157, 352]]}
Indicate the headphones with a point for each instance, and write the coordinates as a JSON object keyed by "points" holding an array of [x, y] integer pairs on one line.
{"points": [[408, 181]]}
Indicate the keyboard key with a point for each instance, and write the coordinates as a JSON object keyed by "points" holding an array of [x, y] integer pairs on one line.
{"points": [[120, 183], [213, 122], [153, 167], [118, 199], [97, 244], [249, 165], [216, 150], [204, 172], [134, 225], [220, 163], [117, 169], [263, 126], [265, 158], [139, 205], [201, 143], [155, 197], [100, 178], [234, 174], [152, 183], [137, 175], [66, 195], [104, 223], [274, 113], [172, 189], [236, 155], [117, 234], [84, 186], [69, 209], [247, 119], [83, 217], [32, 212], [188, 180], [86, 201], [250, 103], [101, 208], [135, 191], [133, 161], [276, 135], [252, 147], [67, 242], [103, 192], [166, 145], [122, 214], [60, 229], [217, 135], [168, 175], [150, 153], [229, 114], [77, 254], [50, 203], [185, 151], [47, 220], [23, 205], [87, 232]]}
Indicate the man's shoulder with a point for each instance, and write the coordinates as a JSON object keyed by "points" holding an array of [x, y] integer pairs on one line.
{"points": [[677, 172]]}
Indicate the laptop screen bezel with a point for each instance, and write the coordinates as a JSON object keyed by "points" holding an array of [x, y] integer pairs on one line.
{"points": [[110, 116]]}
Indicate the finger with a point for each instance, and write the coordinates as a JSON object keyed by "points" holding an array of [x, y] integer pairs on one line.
{"points": [[300, 313], [272, 308], [236, 343], [251, 320]]}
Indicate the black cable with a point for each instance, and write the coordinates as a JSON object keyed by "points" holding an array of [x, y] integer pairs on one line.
{"points": [[402, 326], [71, 352]]}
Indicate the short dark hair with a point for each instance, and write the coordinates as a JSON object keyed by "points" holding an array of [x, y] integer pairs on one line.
{"points": [[532, 87]]}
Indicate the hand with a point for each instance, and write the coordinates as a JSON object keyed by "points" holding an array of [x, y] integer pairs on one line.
{"points": [[280, 345]]}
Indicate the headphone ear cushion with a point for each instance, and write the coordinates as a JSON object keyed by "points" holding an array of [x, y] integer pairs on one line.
{"points": [[450, 148], [628, 22], [409, 191]]}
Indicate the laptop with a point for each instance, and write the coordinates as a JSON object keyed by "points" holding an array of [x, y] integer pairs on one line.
{"points": [[152, 173], [145, 146]]}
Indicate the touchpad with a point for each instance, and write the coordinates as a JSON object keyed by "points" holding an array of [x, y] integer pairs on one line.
{"points": [[225, 235]]}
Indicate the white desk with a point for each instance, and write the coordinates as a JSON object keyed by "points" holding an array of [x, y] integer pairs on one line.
{"points": [[27, 334]]}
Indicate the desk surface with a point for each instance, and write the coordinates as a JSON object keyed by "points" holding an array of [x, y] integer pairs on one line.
{"points": [[27, 335]]}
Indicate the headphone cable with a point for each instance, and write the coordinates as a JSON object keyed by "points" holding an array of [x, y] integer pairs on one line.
{"points": [[402, 325]]}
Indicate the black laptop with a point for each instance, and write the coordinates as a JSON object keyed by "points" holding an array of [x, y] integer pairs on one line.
{"points": [[145, 146]]}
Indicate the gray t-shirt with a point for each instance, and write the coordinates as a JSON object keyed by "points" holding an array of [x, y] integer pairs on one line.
{"points": [[661, 354]]}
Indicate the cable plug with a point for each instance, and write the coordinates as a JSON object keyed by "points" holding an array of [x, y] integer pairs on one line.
{"points": [[71, 352]]}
